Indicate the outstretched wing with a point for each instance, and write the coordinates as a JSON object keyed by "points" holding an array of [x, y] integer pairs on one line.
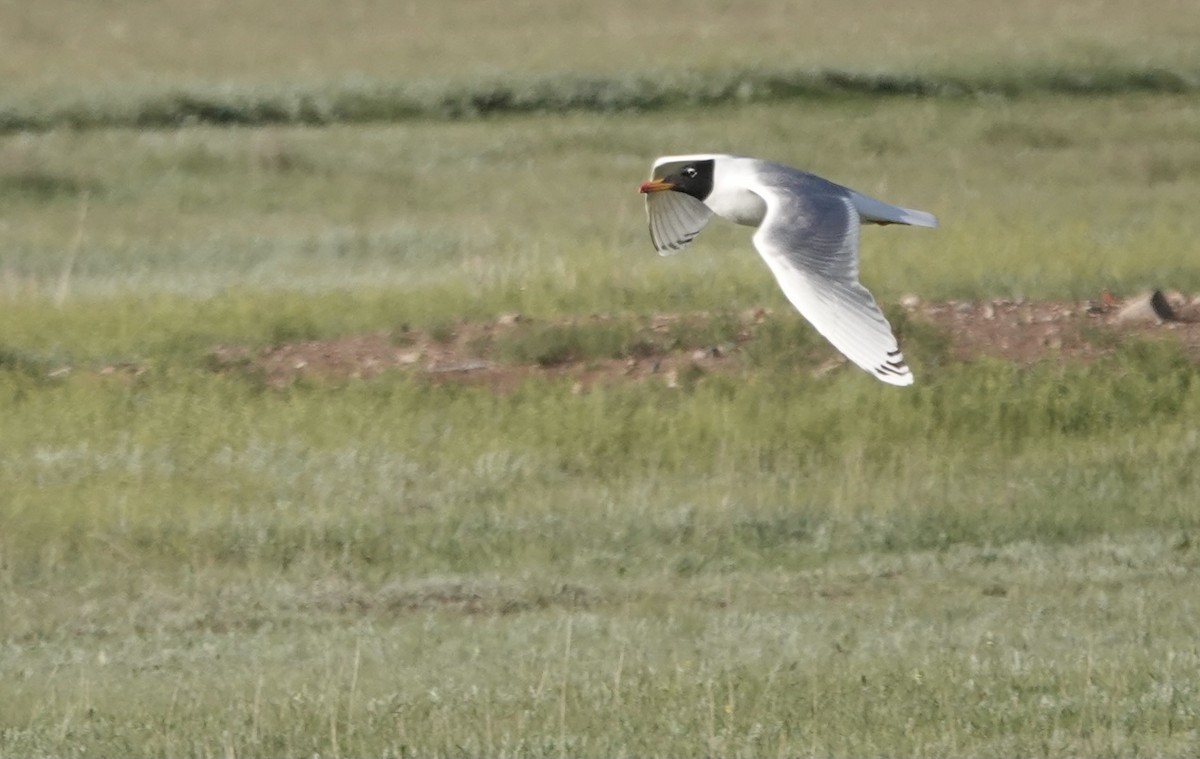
{"points": [[675, 217], [809, 239]]}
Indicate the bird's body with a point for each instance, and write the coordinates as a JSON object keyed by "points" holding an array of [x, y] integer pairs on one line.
{"points": [[808, 231]]}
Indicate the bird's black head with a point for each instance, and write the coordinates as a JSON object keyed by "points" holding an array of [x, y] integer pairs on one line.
{"points": [[694, 178]]}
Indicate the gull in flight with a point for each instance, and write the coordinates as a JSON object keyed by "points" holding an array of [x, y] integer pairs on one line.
{"points": [[807, 234]]}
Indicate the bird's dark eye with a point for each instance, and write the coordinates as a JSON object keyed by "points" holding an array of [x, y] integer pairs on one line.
{"points": [[689, 172]]}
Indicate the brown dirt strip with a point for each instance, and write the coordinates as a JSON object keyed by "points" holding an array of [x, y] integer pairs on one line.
{"points": [[1014, 330]]}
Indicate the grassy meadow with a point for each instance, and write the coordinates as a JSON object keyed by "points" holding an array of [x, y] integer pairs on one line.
{"points": [[999, 561], [60, 47]]}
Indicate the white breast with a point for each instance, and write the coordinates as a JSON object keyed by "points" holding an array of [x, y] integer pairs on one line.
{"points": [[739, 206], [731, 197]]}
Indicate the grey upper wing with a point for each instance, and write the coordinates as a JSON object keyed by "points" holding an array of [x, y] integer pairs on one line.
{"points": [[809, 239], [675, 220]]}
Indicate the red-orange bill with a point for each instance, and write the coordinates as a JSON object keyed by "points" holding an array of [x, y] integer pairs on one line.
{"points": [[655, 185]]}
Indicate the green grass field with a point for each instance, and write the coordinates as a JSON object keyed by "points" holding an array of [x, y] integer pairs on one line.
{"points": [[999, 561], [57, 46]]}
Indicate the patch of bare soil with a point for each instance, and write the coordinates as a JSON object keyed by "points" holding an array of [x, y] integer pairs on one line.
{"points": [[1015, 330]]}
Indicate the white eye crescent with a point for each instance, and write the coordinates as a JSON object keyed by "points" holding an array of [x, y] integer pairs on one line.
{"points": [[689, 172]]}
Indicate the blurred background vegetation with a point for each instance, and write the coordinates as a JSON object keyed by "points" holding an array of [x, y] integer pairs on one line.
{"points": [[194, 561]]}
